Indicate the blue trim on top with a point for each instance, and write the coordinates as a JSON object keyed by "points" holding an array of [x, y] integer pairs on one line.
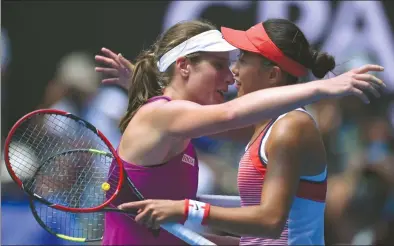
{"points": [[318, 178]]}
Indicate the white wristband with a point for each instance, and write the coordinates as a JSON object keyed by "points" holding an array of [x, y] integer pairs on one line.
{"points": [[197, 212]]}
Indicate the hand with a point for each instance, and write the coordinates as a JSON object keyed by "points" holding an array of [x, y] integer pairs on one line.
{"points": [[354, 82], [121, 68], [153, 213]]}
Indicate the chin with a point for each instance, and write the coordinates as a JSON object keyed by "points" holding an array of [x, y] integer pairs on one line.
{"points": [[208, 102], [214, 101]]}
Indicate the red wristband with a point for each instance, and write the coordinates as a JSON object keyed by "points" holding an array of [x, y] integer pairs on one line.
{"points": [[206, 214], [185, 211]]}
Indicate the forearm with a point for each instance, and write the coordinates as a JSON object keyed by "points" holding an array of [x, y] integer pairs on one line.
{"points": [[220, 200], [221, 240], [246, 221], [269, 103]]}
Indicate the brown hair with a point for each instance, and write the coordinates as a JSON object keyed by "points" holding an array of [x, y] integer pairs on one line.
{"points": [[293, 43], [147, 81]]}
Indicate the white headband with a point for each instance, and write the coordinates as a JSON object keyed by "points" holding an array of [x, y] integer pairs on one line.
{"points": [[209, 41]]}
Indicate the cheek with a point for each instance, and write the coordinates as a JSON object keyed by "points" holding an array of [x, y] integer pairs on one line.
{"points": [[252, 81], [247, 80], [203, 84], [209, 79], [214, 77]]}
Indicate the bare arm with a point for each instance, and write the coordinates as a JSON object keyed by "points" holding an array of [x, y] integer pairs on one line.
{"points": [[220, 200], [286, 149], [280, 184], [240, 135], [221, 240], [190, 120]]}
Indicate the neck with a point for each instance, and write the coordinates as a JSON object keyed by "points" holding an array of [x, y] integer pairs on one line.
{"points": [[174, 94], [176, 90]]}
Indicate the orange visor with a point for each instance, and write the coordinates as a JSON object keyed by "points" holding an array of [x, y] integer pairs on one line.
{"points": [[256, 40]]}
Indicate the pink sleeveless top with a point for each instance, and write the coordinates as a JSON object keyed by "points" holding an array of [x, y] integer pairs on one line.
{"points": [[176, 179]]}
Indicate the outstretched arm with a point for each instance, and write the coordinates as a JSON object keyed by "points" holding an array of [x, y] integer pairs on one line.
{"points": [[233, 119], [240, 135], [190, 120]]}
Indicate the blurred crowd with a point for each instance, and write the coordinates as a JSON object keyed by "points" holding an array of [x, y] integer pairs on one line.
{"points": [[359, 140]]}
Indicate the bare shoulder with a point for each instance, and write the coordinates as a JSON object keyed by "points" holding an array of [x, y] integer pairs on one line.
{"points": [[152, 119], [297, 134], [162, 108], [295, 127], [146, 128]]}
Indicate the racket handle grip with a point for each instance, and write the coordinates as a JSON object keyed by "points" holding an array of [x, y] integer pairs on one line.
{"points": [[188, 236]]}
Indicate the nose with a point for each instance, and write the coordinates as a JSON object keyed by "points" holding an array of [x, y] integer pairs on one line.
{"points": [[234, 68], [229, 77]]}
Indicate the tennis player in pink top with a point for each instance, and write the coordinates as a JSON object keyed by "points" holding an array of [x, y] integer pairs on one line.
{"points": [[282, 176]]}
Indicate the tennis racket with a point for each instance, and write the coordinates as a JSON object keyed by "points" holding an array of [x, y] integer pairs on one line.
{"points": [[75, 167], [75, 227]]}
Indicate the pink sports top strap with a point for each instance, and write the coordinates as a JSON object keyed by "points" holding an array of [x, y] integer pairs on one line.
{"points": [[152, 99]]}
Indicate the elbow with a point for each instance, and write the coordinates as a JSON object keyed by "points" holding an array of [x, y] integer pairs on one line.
{"points": [[273, 227], [276, 230]]}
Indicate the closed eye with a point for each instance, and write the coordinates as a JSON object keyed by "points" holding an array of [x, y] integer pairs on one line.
{"points": [[220, 65]]}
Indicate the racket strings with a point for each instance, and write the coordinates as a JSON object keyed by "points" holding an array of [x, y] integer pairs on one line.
{"points": [[81, 225], [52, 156], [76, 186]]}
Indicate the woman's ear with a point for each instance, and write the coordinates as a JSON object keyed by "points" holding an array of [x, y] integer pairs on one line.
{"points": [[275, 76], [182, 63]]}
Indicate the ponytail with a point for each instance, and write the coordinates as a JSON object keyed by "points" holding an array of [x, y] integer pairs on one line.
{"points": [[321, 63], [147, 81], [144, 85]]}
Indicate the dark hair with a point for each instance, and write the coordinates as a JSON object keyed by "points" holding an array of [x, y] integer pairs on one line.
{"points": [[147, 81], [292, 42]]}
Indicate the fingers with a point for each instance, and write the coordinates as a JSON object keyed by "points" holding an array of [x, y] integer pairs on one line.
{"points": [[150, 220], [108, 61], [134, 205], [154, 221], [114, 57], [117, 59], [360, 94], [126, 62], [143, 217], [111, 80], [108, 71], [367, 86], [367, 82], [368, 68], [109, 53], [370, 78]]}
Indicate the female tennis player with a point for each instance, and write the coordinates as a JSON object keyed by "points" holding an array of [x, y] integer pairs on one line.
{"points": [[285, 153]]}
